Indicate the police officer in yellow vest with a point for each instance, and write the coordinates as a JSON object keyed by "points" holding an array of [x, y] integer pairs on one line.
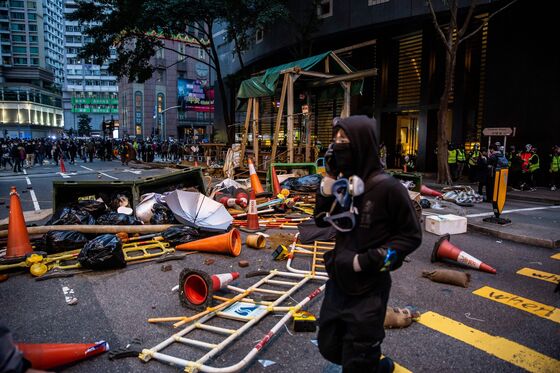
{"points": [[461, 160], [473, 160], [555, 168], [534, 167], [452, 161]]}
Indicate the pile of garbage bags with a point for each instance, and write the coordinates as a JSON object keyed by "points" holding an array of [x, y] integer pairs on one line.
{"points": [[462, 195]]}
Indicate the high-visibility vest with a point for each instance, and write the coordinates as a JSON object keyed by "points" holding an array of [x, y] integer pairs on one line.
{"points": [[461, 155], [525, 156], [452, 156], [474, 157], [534, 166], [555, 164]]}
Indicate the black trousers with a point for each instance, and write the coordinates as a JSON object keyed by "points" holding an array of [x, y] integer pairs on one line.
{"points": [[351, 328]]}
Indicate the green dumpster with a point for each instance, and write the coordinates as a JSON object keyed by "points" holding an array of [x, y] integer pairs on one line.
{"points": [[415, 177], [68, 192]]}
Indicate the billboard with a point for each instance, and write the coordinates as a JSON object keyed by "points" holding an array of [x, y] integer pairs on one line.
{"points": [[193, 95]]}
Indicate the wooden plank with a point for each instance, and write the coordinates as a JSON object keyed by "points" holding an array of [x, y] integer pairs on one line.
{"points": [[279, 119], [290, 120], [245, 132], [256, 132]]}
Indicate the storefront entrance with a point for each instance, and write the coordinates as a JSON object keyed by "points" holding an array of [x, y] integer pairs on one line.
{"points": [[407, 137]]}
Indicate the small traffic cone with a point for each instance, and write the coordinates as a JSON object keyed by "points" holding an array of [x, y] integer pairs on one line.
{"points": [[275, 183], [197, 287], [256, 185], [227, 243], [443, 249], [241, 197], [252, 217], [404, 168], [18, 238], [46, 356], [195, 162], [425, 191], [62, 167]]}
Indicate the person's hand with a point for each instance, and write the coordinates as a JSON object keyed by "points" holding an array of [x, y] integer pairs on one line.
{"points": [[330, 163]]}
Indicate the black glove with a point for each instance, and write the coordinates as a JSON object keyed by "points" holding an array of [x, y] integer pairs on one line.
{"points": [[330, 162]]}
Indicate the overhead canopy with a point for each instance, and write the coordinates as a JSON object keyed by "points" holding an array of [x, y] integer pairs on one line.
{"points": [[265, 85]]}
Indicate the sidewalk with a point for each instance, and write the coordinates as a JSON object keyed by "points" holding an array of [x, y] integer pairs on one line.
{"points": [[528, 227]]}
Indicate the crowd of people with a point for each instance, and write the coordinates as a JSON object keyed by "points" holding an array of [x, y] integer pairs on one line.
{"points": [[525, 167], [18, 154]]}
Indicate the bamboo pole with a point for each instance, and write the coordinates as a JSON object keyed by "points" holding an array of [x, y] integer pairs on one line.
{"points": [[256, 132], [290, 119], [279, 119], [245, 132], [96, 229]]}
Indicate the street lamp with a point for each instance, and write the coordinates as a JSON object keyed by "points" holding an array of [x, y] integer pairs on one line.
{"points": [[159, 118]]}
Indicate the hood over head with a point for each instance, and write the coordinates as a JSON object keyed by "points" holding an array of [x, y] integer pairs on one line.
{"points": [[360, 129]]}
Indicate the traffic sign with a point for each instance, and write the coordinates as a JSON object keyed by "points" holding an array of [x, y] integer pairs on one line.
{"points": [[497, 131]]}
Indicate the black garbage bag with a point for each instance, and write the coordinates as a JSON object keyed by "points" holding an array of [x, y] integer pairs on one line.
{"points": [[95, 208], [115, 218], [308, 184], [162, 215], [59, 241], [71, 216], [178, 235], [425, 203], [103, 252]]}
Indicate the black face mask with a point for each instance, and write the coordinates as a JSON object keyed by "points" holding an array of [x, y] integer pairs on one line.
{"points": [[343, 156]]}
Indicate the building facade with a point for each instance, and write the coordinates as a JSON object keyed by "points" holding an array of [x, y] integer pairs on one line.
{"points": [[30, 99], [504, 75], [177, 102], [88, 89]]}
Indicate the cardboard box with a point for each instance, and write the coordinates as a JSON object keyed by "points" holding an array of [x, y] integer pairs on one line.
{"points": [[446, 224]]}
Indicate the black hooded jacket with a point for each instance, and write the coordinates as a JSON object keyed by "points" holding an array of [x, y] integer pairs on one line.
{"points": [[386, 217]]}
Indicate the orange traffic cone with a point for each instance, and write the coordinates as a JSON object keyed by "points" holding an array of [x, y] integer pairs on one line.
{"points": [[195, 162], [46, 356], [252, 217], [18, 238], [62, 167], [196, 287], [255, 182], [425, 191], [443, 249], [227, 243], [275, 183]]}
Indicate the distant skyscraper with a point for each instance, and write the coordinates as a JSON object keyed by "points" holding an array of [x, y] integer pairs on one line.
{"points": [[30, 100], [88, 89]]}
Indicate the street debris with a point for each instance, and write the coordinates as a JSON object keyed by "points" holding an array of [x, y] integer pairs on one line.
{"points": [[396, 317], [166, 267], [448, 276], [69, 296], [266, 363], [243, 263]]}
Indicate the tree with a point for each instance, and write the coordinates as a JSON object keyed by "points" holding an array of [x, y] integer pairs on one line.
{"points": [[84, 125], [135, 30], [452, 37]]}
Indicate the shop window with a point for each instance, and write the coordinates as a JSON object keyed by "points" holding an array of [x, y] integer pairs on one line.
{"points": [[324, 9]]}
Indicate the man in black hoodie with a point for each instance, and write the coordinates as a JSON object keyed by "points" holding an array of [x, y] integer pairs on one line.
{"points": [[386, 230]]}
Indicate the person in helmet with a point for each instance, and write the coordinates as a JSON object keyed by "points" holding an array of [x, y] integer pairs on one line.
{"points": [[555, 168], [534, 168], [473, 162], [525, 174], [376, 229]]}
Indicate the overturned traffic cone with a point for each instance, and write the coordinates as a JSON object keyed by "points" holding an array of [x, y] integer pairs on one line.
{"points": [[256, 185], [18, 238], [445, 250], [241, 197], [62, 167], [275, 182], [252, 217], [46, 356], [196, 287], [227, 243], [425, 191]]}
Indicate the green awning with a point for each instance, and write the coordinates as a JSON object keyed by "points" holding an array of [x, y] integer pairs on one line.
{"points": [[265, 85]]}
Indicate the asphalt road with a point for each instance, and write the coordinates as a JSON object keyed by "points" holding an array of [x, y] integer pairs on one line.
{"points": [[114, 306]]}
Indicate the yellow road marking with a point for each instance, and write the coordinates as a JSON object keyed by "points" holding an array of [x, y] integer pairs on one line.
{"points": [[512, 300], [556, 256], [499, 347], [399, 368], [540, 275]]}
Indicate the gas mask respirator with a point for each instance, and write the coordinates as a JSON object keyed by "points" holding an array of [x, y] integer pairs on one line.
{"points": [[339, 164]]}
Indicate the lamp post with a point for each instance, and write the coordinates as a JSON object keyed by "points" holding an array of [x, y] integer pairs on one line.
{"points": [[159, 118]]}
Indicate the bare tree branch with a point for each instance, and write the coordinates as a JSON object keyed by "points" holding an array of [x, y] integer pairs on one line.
{"points": [[438, 27], [467, 20], [486, 21]]}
